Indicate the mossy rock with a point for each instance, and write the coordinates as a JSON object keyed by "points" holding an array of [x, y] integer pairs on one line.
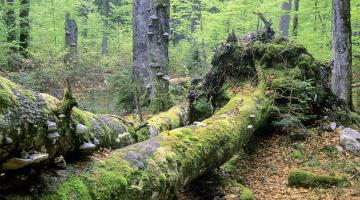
{"points": [[306, 179]]}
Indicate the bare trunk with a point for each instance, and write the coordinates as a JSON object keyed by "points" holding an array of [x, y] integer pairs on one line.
{"points": [[24, 27], [141, 72], [158, 42], [105, 14], [342, 51], [71, 41], [285, 19]]}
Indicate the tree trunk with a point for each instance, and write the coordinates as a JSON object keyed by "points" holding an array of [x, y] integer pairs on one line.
{"points": [[285, 19], [158, 54], [105, 14], [296, 18], [71, 40], [342, 51], [141, 72], [24, 27], [159, 167]]}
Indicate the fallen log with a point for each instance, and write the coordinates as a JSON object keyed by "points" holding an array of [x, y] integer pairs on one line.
{"points": [[279, 81], [34, 125], [246, 84], [156, 168]]}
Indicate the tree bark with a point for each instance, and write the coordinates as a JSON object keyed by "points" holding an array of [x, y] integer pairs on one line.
{"points": [[105, 14], [141, 72], [158, 53], [71, 40], [24, 27], [342, 51], [285, 19]]}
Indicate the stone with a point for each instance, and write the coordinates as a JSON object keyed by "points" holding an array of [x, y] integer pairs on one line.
{"points": [[51, 126], [87, 146], [350, 140], [53, 136], [333, 126], [18, 163], [81, 129], [340, 149]]}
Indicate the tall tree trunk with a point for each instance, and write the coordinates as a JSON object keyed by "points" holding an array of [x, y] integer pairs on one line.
{"points": [[24, 27], [71, 40], [105, 14], [285, 19], [342, 51], [141, 73], [195, 20], [158, 43], [296, 18]]}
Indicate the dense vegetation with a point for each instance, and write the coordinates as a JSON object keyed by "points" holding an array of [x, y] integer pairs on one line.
{"points": [[197, 27]]}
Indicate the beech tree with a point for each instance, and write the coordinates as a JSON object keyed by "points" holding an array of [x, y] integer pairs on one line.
{"points": [[285, 19], [342, 51]]}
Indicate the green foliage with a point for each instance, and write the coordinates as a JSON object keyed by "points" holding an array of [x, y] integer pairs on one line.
{"points": [[302, 178], [200, 109], [124, 90]]}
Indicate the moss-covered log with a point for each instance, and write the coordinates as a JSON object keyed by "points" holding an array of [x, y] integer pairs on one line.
{"points": [[306, 179], [156, 168], [35, 127]]}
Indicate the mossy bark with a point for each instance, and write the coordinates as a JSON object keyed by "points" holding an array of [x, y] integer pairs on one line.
{"points": [[38, 123], [158, 167]]}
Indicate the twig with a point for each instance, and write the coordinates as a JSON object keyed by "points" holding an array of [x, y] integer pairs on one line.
{"points": [[127, 122]]}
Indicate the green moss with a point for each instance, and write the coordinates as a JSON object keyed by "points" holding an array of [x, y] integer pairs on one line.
{"points": [[107, 185], [72, 189], [297, 154], [302, 178], [246, 194]]}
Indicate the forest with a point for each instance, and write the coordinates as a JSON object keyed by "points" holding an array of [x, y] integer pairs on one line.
{"points": [[179, 99]]}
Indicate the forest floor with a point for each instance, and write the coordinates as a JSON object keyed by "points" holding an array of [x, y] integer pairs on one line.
{"points": [[265, 172]]}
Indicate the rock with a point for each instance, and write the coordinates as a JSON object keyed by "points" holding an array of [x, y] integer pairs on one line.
{"points": [[340, 149], [350, 140], [18, 163], [60, 162], [8, 140], [333, 126], [81, 129], [53, 136], [88, 146]]}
